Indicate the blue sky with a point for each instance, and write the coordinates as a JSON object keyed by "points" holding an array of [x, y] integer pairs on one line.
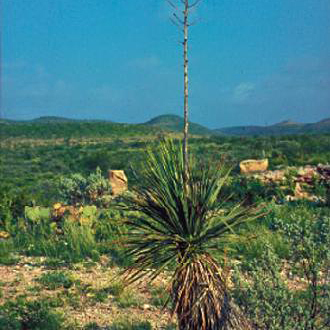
{"points": [[251, 61]]}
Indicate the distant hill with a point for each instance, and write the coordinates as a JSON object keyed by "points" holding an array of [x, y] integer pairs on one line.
{"points": [[322, 126], [282, 128], [54, 127], [50, 126], [56, 119], [50, 119], [175, 123]]}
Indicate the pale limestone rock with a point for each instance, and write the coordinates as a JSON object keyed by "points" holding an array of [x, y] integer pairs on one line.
{"points": [[118, 181], [253, 165]]}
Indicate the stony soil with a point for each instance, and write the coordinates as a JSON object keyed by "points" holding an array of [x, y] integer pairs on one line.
{"points": [[80, 304]]}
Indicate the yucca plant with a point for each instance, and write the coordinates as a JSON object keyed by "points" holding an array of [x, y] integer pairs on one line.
{"points": [[182, 225]]}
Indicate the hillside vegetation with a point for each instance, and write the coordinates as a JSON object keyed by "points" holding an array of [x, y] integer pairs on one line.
{"points": [[63, 237], [175, 123], [285, 127], [60, 127]]}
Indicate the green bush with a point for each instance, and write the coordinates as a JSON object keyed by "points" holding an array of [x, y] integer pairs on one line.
{"points": [[6, 252], [29, 315], [12, 205], [263, 293], [252, 245], [77, 189], [240, 188]]}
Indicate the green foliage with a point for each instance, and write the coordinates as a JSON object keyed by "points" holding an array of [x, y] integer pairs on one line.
{"points": [[73, 244], [250, 191], [7, 256], [116, 288], [77, 189], [31, 167], [80, 241], [29, 315], [264, 296], [93, 233], [159, 296], [109, 231], [254, 240], [263, 292], [128, 298], [55, 280], [182, 225], [37, 213], [122, 325], [12, 206], [72, 129]]}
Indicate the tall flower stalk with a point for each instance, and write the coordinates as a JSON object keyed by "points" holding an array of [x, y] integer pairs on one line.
{"points": [[184, 228]]}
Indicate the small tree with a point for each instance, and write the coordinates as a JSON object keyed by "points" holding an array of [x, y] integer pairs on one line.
{"points": [[181, 19]]}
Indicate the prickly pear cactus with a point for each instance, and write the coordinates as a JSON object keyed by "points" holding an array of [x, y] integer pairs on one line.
{"points": [[36, 213], [88, 215], [85, 215]]}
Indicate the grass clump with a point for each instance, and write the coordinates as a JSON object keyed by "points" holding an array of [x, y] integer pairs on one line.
{"points": [[130, 325], [116, 288], [29, 315], [56, 280], [159, 296], [128, 299], [121, 325]]}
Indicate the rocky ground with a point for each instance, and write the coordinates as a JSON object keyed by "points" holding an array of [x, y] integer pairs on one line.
{"points": [[86, 293]]}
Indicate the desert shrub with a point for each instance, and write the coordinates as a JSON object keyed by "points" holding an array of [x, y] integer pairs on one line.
{"points": [[266, 297], [252, 245], [7, 249], [99, 158], [110, 230], [12, 205], [109, 225], [250, 191], [29, 315], [77, 189]]}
